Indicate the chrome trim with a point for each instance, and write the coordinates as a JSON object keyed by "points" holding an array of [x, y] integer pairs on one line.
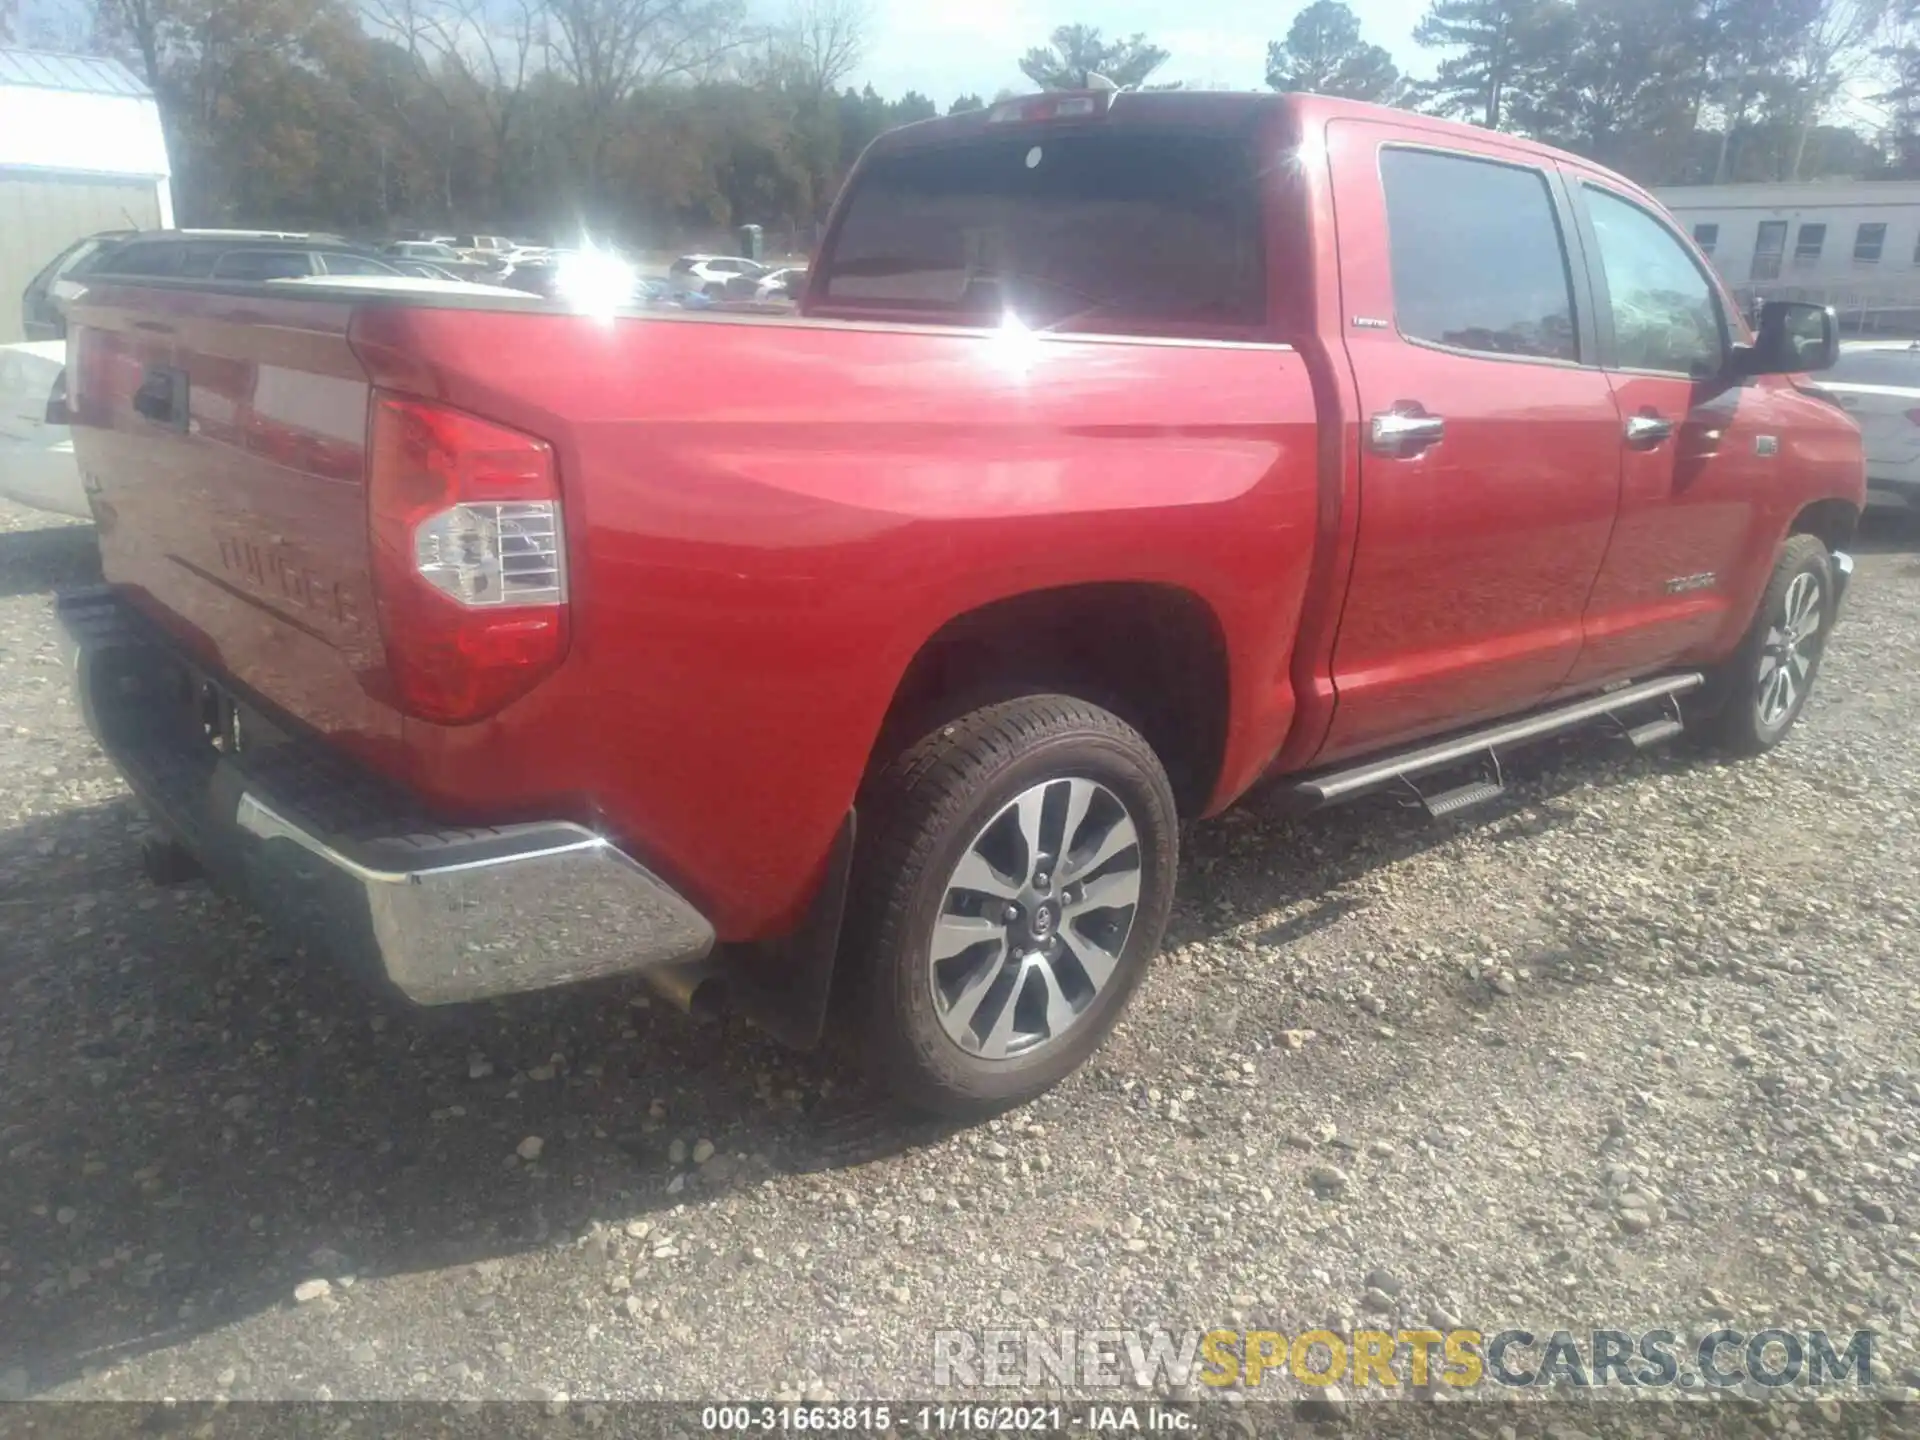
{"points": [[1340, 784], [1399, 433], [446, 916], [1647, 431]]}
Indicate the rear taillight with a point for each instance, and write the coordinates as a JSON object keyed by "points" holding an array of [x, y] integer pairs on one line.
{"points": [[469, 559]]}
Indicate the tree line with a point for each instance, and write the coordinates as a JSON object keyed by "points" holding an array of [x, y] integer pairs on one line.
{"points": [[654, 120]]}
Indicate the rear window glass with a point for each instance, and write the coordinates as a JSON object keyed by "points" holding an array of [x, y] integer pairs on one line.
{"points": [[1876, 367], [1123, 229], [163, 259], [1477, 258]]}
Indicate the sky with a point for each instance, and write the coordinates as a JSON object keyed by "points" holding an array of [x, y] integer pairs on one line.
{"points": [[948, 48]]}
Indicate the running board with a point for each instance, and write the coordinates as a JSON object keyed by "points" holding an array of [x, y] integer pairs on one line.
{"points": [[1335, 785]]}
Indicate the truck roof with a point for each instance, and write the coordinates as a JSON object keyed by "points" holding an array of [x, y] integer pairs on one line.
{"points": [[1235, 111]]}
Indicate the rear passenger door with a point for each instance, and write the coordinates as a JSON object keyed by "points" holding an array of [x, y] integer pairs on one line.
{"points": [[1490, 447], [1697, 454]]}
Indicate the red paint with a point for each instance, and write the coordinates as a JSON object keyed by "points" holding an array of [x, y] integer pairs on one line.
{"points": [[767, 518]]}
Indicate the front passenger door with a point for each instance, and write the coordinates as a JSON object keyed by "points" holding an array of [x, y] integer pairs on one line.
{"points": [[1693, 448]]}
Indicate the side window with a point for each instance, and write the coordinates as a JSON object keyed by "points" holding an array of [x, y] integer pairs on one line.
{"points": [[262, 265], [1478, 262], [357, 265], [1666, 316]]}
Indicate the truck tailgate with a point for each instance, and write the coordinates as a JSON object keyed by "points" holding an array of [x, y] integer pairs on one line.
{"points": [[223, 438]]}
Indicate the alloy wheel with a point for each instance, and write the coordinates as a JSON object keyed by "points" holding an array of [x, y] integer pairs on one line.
{"points": [[1035, 919]]}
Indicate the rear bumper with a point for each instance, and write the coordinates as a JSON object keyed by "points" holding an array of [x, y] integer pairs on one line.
{"points": [[336, 859]]}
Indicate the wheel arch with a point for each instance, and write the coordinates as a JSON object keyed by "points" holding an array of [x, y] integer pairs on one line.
{"points": [[1153, 653], [1832, 521]]}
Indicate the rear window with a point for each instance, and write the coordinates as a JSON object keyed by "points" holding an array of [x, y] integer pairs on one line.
{"points": [[1876, 367], [162, 259], [1126, 229]]}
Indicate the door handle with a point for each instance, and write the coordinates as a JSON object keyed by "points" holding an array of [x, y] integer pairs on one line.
{"points": [[162, 397], [1404, 431], [1644, 432]]}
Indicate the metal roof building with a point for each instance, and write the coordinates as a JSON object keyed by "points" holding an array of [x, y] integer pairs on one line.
{"points": [[81, 150]]}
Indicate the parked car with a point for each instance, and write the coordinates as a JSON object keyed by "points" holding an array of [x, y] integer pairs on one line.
{"points": [[40, 302], [37, 466], [487, 247], [890, 643], [1877, 382], [786, 283], [194, 255], [446, 258], [710, 274]]}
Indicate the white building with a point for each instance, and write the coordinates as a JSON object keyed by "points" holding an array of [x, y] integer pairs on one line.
{"points": [[81, 150], [1853, 243]]}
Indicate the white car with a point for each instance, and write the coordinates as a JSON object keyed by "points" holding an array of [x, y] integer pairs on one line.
{"points": [[37, 468], [709, 274], [1877, 382], [782, 284]]}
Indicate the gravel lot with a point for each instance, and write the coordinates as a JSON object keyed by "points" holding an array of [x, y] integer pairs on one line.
{"points": [[1636, 1048]]}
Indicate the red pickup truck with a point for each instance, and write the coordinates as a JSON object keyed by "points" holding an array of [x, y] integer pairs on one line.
{"points": [[1127, 450]]}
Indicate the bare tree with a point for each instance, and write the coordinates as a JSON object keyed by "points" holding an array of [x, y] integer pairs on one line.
{"points": [[827, 39], [471, 56], [1839, 38], [610, 49]]}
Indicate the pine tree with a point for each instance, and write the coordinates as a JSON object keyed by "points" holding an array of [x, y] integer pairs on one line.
{"points": [[1503, 47], [1323, 54]]}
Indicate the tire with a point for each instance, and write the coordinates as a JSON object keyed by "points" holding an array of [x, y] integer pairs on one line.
{"points": [[1750, 711], [1012, 1006]]}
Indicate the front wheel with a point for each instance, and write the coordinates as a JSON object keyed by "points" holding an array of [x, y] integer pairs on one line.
{"points": [[1759, 693], [1020, 876]]}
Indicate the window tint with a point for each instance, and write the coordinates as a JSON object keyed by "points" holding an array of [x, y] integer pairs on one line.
{"points": [[357, 265], [1126, 230], [1665, 315], [162, 259], [1868, 241], [1477, 258], [262, 265], [1706, 237]]}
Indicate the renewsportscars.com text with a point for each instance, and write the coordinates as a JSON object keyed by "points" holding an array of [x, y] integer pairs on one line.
{"points": [[1393, 1359]]}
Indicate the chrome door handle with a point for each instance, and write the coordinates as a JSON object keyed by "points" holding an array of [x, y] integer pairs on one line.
{"points": [[1404, 431], [1646, 431]]}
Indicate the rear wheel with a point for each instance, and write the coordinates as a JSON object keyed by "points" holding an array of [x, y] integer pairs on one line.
{"points": [[1020, 876], [1759, 693]]}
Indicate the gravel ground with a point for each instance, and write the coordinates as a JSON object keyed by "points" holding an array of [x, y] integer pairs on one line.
{"points": [[1634, 1048]]}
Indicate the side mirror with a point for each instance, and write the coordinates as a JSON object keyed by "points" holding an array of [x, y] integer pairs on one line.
{"points": [[1793, 338]]}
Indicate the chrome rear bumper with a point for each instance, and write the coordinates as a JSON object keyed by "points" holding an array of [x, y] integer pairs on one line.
{"points": [[339, 861]]}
